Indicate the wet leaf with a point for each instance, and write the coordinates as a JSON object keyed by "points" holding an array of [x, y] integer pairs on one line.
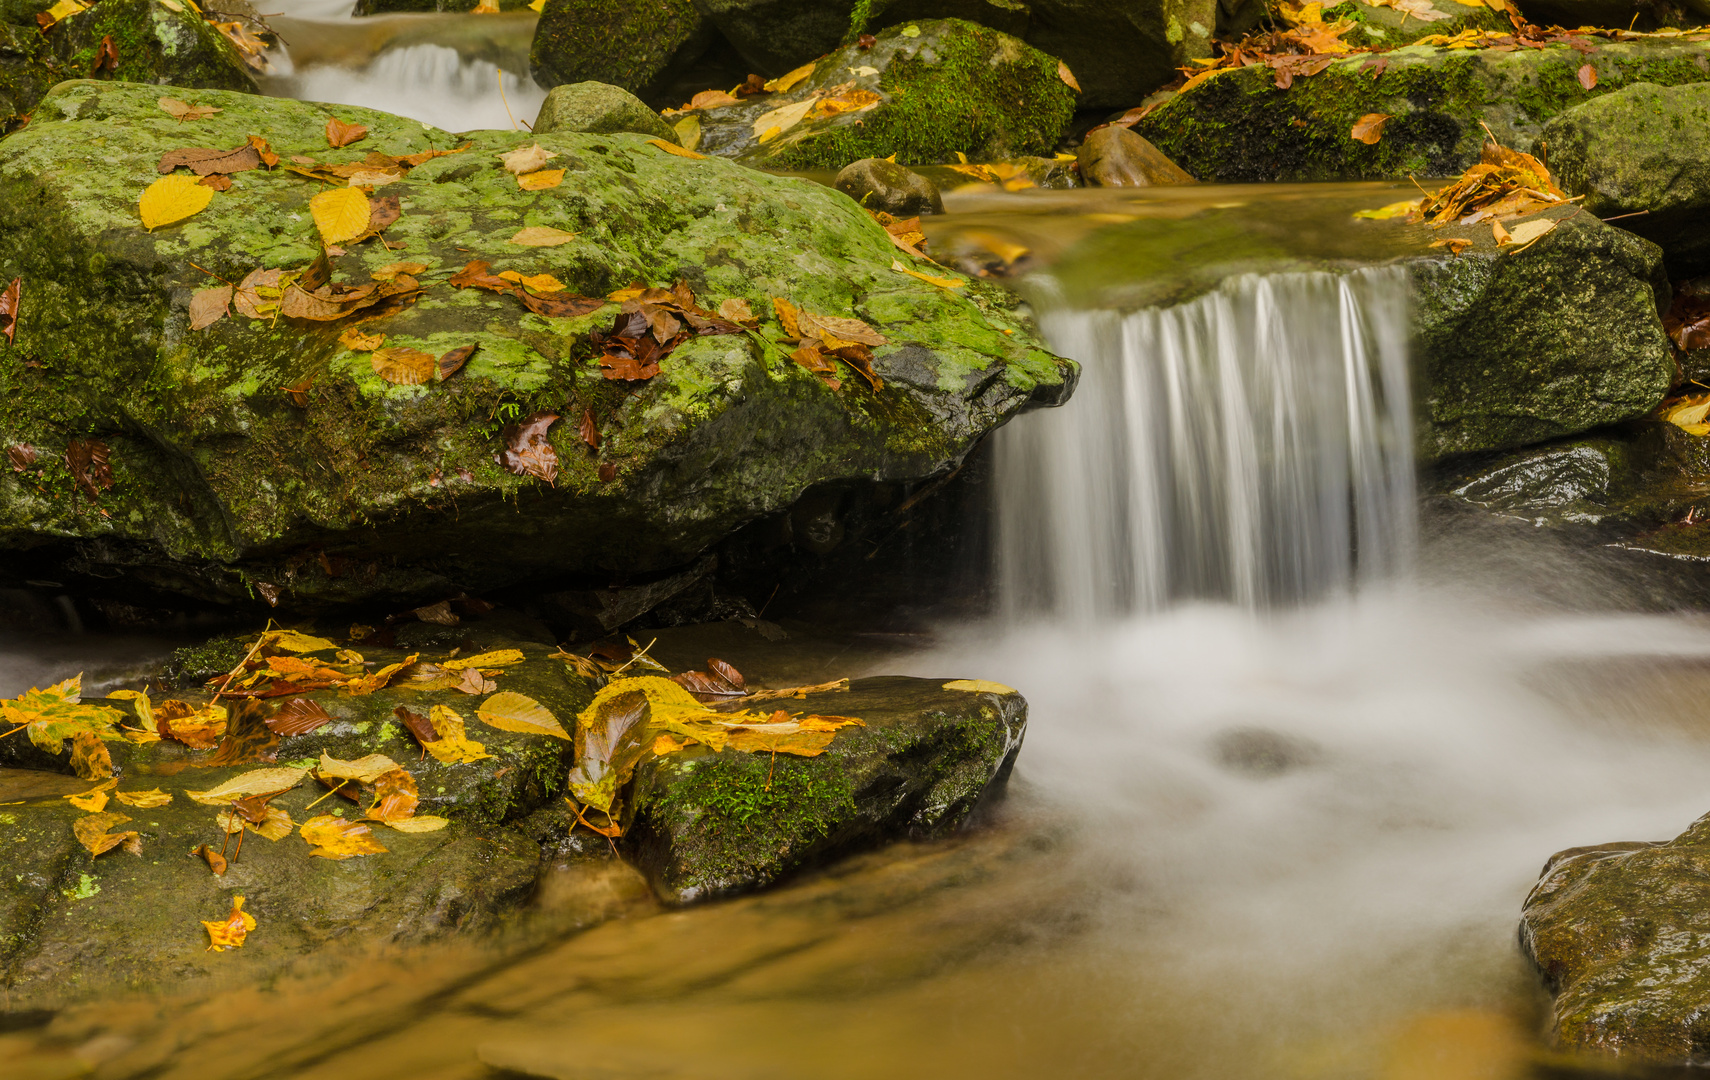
{"points": [[357, 341], [1393, 210], [541, 179], [230, 932], [440, 614], [95, 799], [719, 681], [248, 736], [453, 360], [665, 744], [144, 800], [340, 214], [798, 741], [527, 159], [711, 99], [172, 198], [395, 797], [941, 282], [255, 815], [367, 684], [510, 711], [22, 456], [496, 658], [205, 162], [1068, 77], [1587, 75], [9, 309], [89, 757], [528, 451], [216, 862], [1369, 128], [340, 133], [783, 83], [417, 725], [611, 739], [391, 271], [978, 686], [182, 111], [87, 461], [1688, 413], [61, 11], [91, 832], [363, 770], [674, 150], [770, 125], [1454, 244], [419, 823], [330, 837], [199, 729], [814, 358], [453, 746], [209, 306], [254, 782], [403, 366]]}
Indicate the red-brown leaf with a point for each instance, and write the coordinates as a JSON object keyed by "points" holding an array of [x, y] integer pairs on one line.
{"points": [[528, 451], [22, 456], [106, 57], [452, 362], [299, 716], [87, 461], [340, 133], [9, 309], [1588, 77], [588, 429]]}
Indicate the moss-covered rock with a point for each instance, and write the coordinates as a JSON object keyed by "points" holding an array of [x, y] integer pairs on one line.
{"points": [[1642, 154], [1237, 126], [1387, 27], [1621, 935], [708, 825], [948, 87], [382, 491], [599, 109], [635, 44], [154, 45], [1517, 347], [389, 7]]}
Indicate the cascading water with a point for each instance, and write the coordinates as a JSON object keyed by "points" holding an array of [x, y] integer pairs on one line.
{"points": [[1253, 445]]}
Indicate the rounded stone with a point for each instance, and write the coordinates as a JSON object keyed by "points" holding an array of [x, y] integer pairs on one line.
{"points": [[878, 184], [597, 108], [1116, 157]]}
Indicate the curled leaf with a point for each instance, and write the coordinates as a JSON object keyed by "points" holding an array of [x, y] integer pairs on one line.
{"points": [[340, 133], [230, 932], [528, 451]]}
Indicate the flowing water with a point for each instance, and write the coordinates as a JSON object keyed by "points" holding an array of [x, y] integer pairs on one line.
{"points": [[1287, 780]]}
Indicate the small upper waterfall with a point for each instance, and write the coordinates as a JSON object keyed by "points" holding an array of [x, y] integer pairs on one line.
{"points": [[1252, 445]]}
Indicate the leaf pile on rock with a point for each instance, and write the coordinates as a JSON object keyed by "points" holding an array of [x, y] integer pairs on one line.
{"points": [[650, 324]]}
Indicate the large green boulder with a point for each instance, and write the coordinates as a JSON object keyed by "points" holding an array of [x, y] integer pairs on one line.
{"points": [[635, 45], [153, 43], [229, 488], [1621, 935], [928, 91], [1520, 346], [1237, 126], [1642, 154]]}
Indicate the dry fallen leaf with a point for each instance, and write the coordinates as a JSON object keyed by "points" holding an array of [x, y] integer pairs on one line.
{"points": [[1369, 128], [1068, 77], [182, 111], [1587, 76], [9, 308], [541, 236], [541, 179], [209, 306], [172, 198], [331, 837], [510, 711], [675, 150], [340, 214], [403, 366], [1528, 231], [527, 159], [229, 933], [357, 341], [340, 133]]}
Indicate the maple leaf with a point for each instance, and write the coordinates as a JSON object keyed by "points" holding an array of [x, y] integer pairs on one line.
{"points": [[528, 451], [230, 932], [511, 711]]}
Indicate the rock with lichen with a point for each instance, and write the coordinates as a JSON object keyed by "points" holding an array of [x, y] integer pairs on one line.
{"points": [[263, 460], [597, 108]]}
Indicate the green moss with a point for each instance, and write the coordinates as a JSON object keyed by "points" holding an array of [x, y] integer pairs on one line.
{"points": [[740, 811], [612, 41], [194, 665]]}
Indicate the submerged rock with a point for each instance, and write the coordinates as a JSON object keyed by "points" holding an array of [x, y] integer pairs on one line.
{"points": [[1621, 935], [1114, 156], [710, 825], [599, 109], [1642, 154], [635, 45], [154, 44], [948, 87], [885, 186], [227, 488], [1238, 127]]}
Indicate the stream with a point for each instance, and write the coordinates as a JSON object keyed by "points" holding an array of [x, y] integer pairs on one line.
{"points": [[1291, 767]]}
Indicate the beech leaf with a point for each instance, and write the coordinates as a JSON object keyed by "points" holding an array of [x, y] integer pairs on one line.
{"points": [[510, 711], [403, 366], [332, 837], [541, 236], [1369, 128], [340, 214], [172, 198]]}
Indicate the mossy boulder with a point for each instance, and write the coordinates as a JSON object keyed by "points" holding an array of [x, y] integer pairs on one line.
{"points": [[945, 88], [1621, 935], [1387, 27], [1238, 127], [1642, 154], [597, 108], [1521, 346], [154, 45], [381, 492], [635, 44], [709, 825]]}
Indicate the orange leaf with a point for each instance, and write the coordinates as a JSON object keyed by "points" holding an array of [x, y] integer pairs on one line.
{"points": [[340, 133], [230, 932], [541, 179], [674, 149], [1369, 128], [1588, 77]]}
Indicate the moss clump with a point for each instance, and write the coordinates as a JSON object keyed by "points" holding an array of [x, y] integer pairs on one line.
{"points": [[194, 665], [614, 41], [742, 815]]}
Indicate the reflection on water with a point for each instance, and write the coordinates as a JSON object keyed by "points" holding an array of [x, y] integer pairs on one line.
{"points": [[1292, 846]]}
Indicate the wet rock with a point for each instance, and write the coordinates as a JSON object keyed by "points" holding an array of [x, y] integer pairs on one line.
{"points": [[635, 45], [392, 493], [951, 87], [1113, 156], [878, 184], [1642, 154], [1259, 752], [1621, 935], [154, 45], [712, 825], [1238, 127], [599, 109], [1525, 346]]}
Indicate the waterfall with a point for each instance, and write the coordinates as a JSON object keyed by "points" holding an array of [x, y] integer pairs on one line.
{"points": [[1253, 445]]}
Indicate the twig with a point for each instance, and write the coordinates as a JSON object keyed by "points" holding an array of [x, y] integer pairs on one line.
{"points": [[502, 100], [1618, 217], [639, 653], [233, 673], [334, 790]]}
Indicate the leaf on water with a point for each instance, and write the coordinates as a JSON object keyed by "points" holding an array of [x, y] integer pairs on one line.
{"points": [[1068, 77], [941, 282], [331, 837], [87, 460], [9, 308], [527, 159], [403, 366], [340, 133], [1369, 128], [340, 214], [357, 341], [92, 833], [510, 711], [230, 932], [95, 799], [453, 746], [1393, 210], [172, 198], [454, 359], [144, 800], [541, 179], [89, 757], [1587, 75], [496, 658], [977, 686], [254, 782], [182, 111], [541, 236], [674, 150], [528, 451], [209, 306]]}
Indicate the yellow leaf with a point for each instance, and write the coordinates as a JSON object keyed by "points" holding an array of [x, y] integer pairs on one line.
{"points": [[498, 658], [538, 6], [770, 133], [1528, 231], [673, 148], [941, 282], [1688, 413], [665, 744], [800, 742], [356, 341], [784, 117], [784, 82], [65, 9], [539, 283], [367, 684], [330, 837], [419, 823], [363, 770], [95, 799], [403, 366], [92, 833], [89, 759], [275, 824], [292, 641], [229, 933], [173, 198], [1369, 128], [978, 686], [390, 272], [1393, 210], [340, 214], [452, 747], [541, 236], [508, 711], [254, 782], [144, 800], [541, 180]]}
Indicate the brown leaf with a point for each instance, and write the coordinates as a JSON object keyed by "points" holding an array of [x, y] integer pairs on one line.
{"points": [[607, 472], [181, 111], [209, 306], [383, 211], [205, 162], [439, 614], [830, 326], [1454, 244], [418, 725], [299, 716], [298, 392], [318, 274], [719, 682], [89, 757], [22, 455], [340, 133], [87, 461], [813, 358], [1587, 76], [9, 308], [738, 311], [249, 738], [403, 366], [1369, 128], [860, 357], [217, 181], [452, 362], [216, 861], [528, 451], [711, 99], [106, 57], [588, 429]]}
